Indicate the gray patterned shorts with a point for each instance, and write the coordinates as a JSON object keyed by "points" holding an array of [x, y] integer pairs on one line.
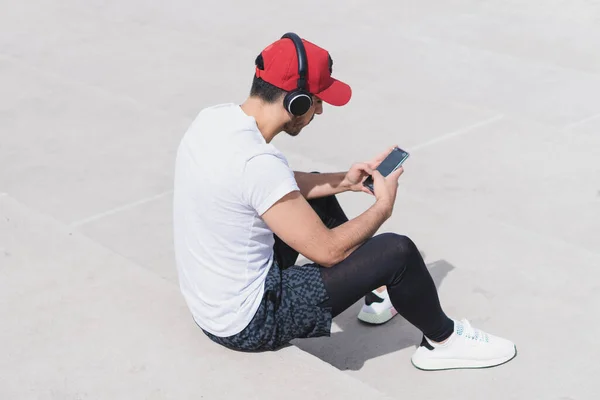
{"points": [[289, 310]]}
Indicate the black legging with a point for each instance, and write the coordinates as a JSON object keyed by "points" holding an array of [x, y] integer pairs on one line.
{"points": [[385, 260]]}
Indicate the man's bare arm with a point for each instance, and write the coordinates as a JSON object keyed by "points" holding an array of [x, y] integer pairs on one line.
{"points": [[320, 185], [314, 185], [294, 221]]}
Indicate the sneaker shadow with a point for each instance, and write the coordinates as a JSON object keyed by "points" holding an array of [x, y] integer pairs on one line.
{"points": [[359, 342]]}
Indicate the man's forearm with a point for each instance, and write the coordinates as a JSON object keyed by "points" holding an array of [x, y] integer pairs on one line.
{"points": [[320, 185], [350, 235]]}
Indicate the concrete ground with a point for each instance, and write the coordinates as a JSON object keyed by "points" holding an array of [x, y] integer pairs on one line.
{"points": [[497, 101]]}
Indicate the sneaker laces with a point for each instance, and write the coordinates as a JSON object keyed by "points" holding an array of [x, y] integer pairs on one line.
{"points": [[465, 329]]}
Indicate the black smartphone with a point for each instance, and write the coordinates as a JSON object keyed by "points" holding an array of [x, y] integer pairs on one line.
{"points": [[391, 163]]}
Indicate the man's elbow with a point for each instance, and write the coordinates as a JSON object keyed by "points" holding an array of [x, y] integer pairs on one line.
{"points": [[331, 256]]}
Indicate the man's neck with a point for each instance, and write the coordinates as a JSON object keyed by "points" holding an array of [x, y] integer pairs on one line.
{"points": [[268, 117]]}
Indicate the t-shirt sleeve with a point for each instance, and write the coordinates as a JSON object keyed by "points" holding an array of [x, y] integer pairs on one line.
{"points": [[267, 178]]}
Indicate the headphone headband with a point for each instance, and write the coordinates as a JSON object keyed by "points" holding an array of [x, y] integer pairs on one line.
{"points": [[302, 61]]}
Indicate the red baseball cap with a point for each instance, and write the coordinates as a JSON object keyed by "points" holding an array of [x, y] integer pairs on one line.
{"points": [[280, 62]]}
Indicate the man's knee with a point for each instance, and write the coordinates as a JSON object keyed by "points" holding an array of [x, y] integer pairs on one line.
{"points": [[402, 245]]}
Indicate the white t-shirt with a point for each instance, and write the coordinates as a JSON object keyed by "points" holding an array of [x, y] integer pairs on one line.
{"points": [[226, 177]]}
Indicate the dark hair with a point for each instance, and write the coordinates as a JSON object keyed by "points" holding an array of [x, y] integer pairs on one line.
{"points": [[265, 91]]}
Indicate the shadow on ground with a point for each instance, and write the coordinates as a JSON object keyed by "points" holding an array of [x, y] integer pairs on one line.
{"points": [[359, 342]]}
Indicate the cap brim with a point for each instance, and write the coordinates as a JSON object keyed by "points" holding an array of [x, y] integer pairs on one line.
{"points": [[337, 94]]}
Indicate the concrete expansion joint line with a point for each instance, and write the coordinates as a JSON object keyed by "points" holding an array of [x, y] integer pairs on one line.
{"points": [[119, 209], [582, 121], [458, 132]]}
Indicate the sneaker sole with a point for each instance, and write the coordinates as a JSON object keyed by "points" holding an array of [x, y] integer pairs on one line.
{"points": [[448, 364], [377, 319]]}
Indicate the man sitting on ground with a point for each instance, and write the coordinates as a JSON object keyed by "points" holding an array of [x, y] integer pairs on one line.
{"points": [[242, 217]]}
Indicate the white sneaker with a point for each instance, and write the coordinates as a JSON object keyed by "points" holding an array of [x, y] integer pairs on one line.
{"points": [[378, 308], [467, 347]]}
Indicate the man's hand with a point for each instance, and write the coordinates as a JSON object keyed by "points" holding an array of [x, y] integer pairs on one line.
{"points": [[386, 189], [360, 171], [355, 177]]}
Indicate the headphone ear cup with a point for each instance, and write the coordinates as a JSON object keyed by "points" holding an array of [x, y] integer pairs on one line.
{"points": [[297, 102]]}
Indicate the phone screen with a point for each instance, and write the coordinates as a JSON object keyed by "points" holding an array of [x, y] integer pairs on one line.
{"points": [[392, 162]]}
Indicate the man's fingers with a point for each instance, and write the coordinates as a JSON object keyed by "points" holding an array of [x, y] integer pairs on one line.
{"points": [[376, 175], [396, 174], [364, 167]]}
